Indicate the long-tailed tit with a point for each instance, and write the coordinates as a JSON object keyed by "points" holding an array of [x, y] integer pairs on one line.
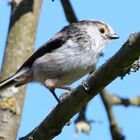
{"points": [[66, 57]]}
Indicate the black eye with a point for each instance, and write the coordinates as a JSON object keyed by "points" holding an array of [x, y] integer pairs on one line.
{"points": [[102, 30]]}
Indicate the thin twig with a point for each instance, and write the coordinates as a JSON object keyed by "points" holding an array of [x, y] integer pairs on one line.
{"points": [[114, 127]]}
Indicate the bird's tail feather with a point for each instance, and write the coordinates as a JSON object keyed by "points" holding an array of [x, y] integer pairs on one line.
{"points": [[11, 81]]}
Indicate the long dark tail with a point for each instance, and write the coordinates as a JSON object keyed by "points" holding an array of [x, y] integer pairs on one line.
{"points": [[11, 81]]}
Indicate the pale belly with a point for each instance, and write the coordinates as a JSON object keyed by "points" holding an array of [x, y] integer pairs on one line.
{"points": [[58, 77], [69, 78], [62, 70]]}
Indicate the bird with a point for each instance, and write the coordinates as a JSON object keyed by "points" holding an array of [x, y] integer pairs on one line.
{"points": [[70, 54]]}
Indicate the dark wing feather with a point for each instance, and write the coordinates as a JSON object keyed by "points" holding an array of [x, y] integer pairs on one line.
{"points": [[54, 43]]}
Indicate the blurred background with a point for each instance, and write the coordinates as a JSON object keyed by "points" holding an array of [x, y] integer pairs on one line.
{"points": [[123, 16]]}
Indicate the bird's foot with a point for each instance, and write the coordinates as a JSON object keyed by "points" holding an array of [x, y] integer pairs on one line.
{"points": [[63, 96], [65, 88], [85, 85]]}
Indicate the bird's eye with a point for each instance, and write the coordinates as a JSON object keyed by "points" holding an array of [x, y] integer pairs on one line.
{"points": [[102, 30]]}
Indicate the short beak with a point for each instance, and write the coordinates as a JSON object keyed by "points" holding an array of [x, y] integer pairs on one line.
{"points": [[113, 36]]}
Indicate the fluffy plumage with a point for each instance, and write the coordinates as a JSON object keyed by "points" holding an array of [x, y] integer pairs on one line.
{"points": [[66, 57]]}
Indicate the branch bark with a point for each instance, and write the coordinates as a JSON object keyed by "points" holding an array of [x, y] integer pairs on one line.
{"points": [[19, 46], [63, 112], [68, 11], [81, 123], [114, 127], [125, 101]]}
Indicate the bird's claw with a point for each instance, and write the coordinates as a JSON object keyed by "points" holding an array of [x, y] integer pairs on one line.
{"points": [[85, 85]]}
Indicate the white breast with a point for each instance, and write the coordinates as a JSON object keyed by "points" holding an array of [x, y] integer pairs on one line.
{"points": [[66, 65]]}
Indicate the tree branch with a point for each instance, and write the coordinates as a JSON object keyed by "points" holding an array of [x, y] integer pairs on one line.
{"points": [[81, 123], [114, 127], [69, 12], [63, 112], [116, 100], [19, 46], [109, 100]]}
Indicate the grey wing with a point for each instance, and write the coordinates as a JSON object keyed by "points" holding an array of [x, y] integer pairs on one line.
{"points": [[54, 43]]}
